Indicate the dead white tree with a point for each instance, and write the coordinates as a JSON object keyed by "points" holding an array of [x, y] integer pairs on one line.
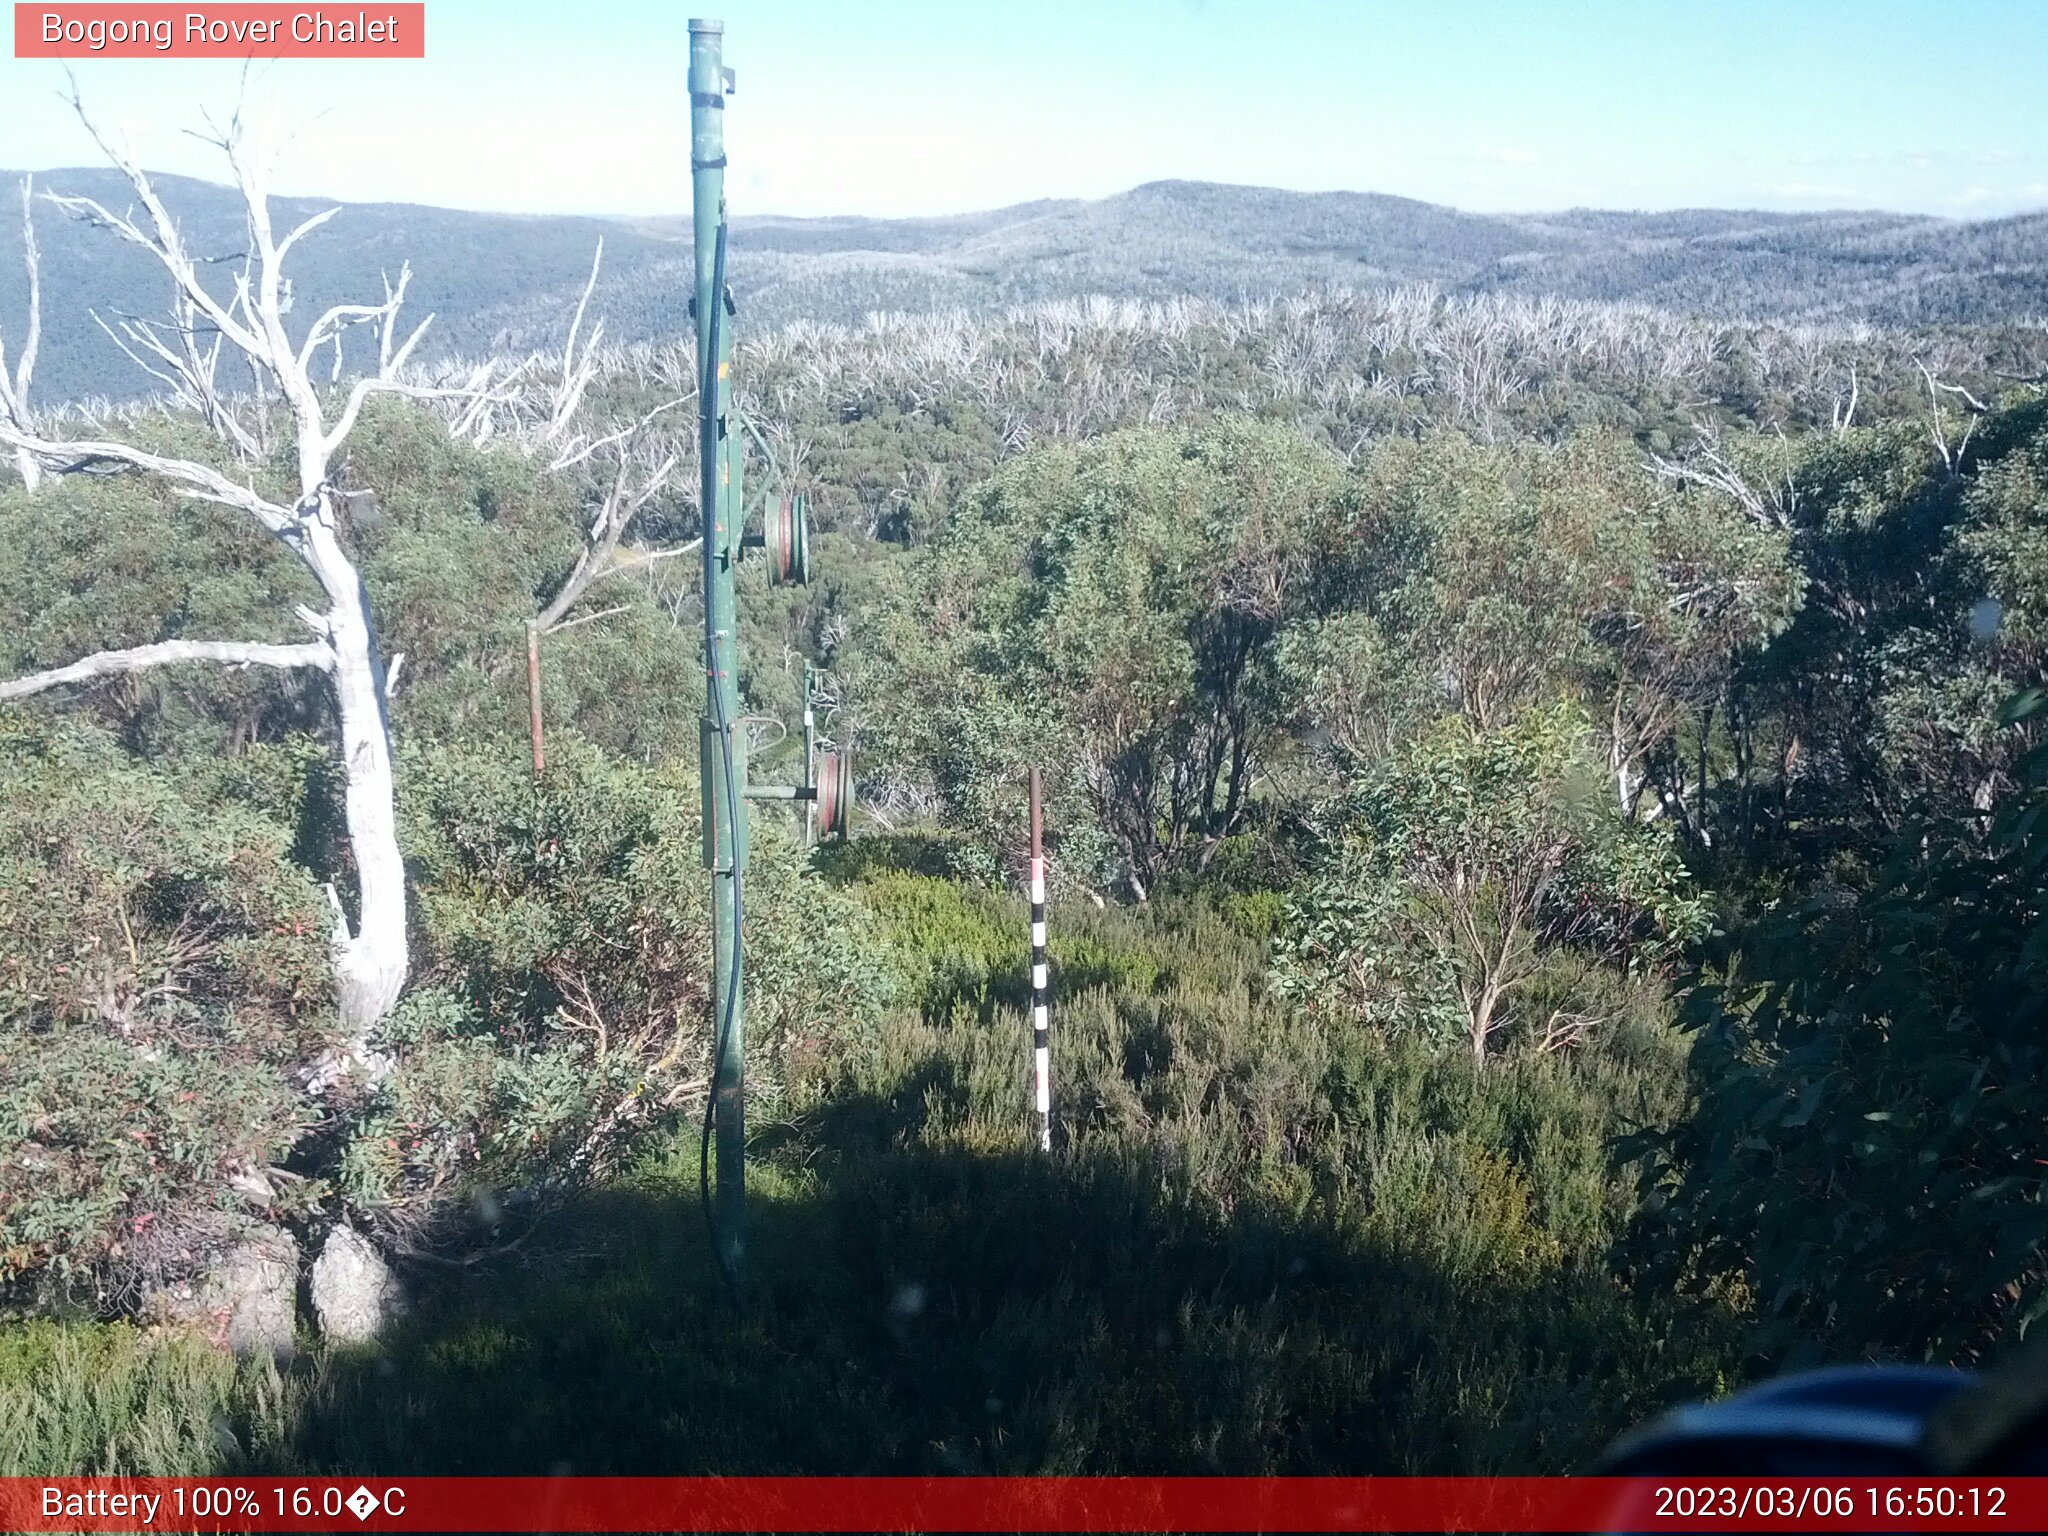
{"points": [[577, 372], [371, 957], [14, 408], [634, 483], [640, 466], [1843, 412], [639, 470], [1771, 505], [184, 355], [1937, 423]]}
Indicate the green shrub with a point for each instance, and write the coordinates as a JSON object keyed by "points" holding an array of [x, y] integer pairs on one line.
{"points": [[1266, 1242], [954, 944], [163, 973], [1469, 874], [105, 1400], [561, 1004], [1866, 1156]]}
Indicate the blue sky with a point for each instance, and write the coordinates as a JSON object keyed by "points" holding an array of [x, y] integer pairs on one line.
{"points": [[936, 106]]}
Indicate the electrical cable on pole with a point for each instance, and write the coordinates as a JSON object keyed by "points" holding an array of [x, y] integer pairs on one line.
{"points": [[827, 789], [722, 767]]}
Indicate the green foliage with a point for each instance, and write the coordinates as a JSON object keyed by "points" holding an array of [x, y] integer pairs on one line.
{"points": [[1866, 1150], [1432, 721], [119, 1402], [100, 563], [563, 975], [162, 971], [1461, 867], [1876, 707], [470, 545], [1494, 577], [1176, 1291], [968, 948], [955, 944], [1116, 606]]}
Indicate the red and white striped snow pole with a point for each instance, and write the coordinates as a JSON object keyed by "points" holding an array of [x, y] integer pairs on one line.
{"points": [[1041, 1046]]}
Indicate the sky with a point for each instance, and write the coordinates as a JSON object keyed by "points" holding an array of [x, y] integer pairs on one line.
{"points": [[898, 107]]}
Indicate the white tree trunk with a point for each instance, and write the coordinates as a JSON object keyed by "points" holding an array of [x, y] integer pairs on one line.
{"points": [[371, 958], [371, 962], [235, 653], [14, 387]]}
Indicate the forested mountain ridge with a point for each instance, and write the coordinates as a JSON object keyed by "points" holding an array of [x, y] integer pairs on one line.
{"points": [[500, 282]]}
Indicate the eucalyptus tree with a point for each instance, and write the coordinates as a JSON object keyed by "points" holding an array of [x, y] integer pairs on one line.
{"points": [[305, 513], [1486, 579], [1113, 611], [1470, 868]]}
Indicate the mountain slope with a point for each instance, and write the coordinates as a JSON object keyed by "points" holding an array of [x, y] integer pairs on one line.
{"points": [[498, 281]]}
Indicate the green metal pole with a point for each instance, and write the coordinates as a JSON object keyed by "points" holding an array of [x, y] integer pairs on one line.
{"points": [[724, 755]]}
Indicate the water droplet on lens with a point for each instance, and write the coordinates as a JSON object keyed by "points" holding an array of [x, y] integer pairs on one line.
{"points": [[909, 1300], [1985, 617]]}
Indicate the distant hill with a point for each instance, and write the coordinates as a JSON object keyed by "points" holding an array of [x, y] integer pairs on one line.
{"points": [[502, 281]]}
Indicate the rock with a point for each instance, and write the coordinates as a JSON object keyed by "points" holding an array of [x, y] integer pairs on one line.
{"points": [[250, 1184], [355, 1294], [248, 1300]]}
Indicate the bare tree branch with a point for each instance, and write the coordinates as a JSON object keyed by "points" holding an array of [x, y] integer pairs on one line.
{"points": [[364, 388], [606, 530], [207, 483], [165, 653], [646, 558], [1844, 411], [1709, 467], [25, 365], [587, 618], [1951, 458], [577, 372], [189, 369], [292, 239], [166, 244], [572, 456]]}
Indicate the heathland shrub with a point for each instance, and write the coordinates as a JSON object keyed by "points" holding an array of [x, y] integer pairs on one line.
{"points": [[164, 991], [563, 994], [1471, 875], [1266, 1241], [163, 975], [1866, 1153]]}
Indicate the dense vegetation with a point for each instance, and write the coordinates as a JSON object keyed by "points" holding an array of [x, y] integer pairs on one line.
{"points": [[1510, 824]]}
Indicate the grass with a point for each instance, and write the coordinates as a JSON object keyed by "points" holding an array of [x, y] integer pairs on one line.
{"points": [[109, 1398], [1260, 1248]]}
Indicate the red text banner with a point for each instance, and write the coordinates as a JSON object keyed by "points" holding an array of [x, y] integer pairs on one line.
{"points": [[263, 31], [971, 1504]]}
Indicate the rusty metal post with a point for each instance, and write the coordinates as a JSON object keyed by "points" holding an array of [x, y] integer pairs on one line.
{"points": [[810, 755], [1041, 1043]]}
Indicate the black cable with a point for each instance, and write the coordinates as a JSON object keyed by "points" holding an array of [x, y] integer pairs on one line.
{"points": [[707, 396]]}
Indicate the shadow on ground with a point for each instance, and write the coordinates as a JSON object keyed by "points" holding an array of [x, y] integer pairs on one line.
{"points": [[920, 1310]]}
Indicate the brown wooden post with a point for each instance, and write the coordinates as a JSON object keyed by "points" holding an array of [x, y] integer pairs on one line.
{"points": [[540, 756]]}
